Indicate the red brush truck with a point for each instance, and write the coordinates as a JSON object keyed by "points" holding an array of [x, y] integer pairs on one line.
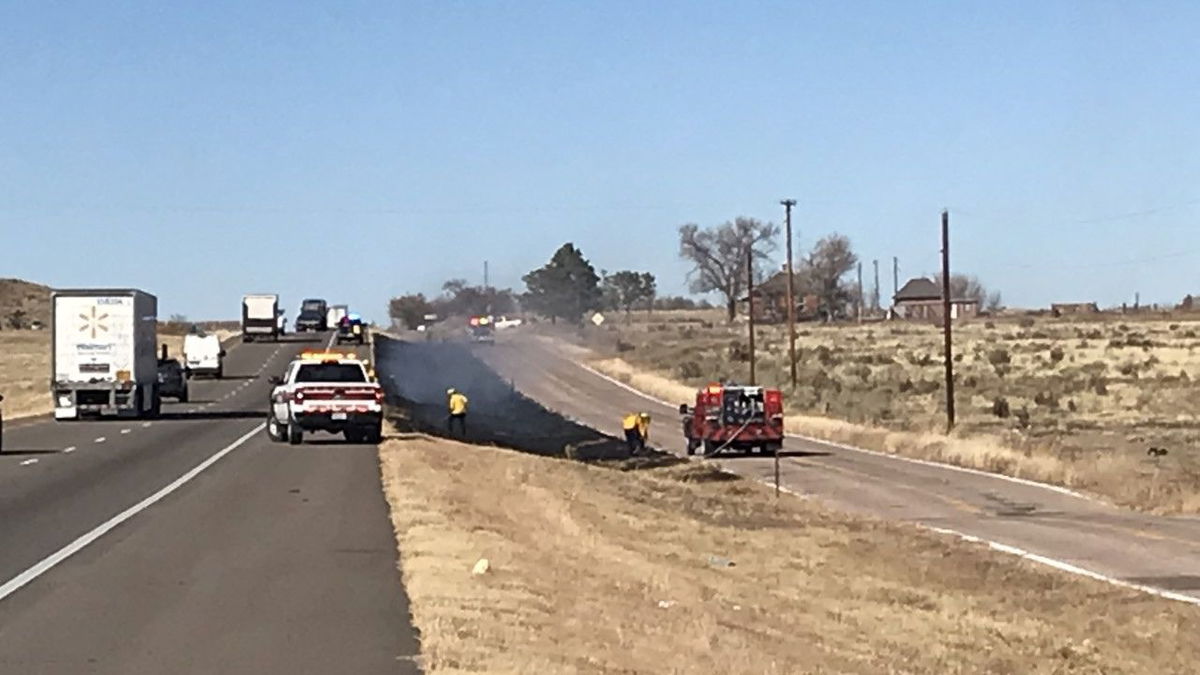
{"points": [[732, 417]]}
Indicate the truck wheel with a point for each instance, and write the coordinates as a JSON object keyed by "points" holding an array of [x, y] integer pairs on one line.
{"points": [[295, 435], [275, 431], [691, 446], [375, 435], [220, 372], [353, 435], [183, 396], [710, 447]]}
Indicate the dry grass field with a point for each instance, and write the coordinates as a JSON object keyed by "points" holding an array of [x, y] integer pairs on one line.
{"points": [[683, 570], [1080, 403]]}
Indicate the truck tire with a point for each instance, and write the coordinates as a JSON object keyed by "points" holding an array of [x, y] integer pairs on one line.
{"points": [[710, 447], [183, 396], [354, 435], [275, 431], [375, 434], [691, 446], [295, 435]]}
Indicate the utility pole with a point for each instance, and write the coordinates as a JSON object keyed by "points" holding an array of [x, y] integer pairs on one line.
{"points": [[750, 313], [791, 290], [860, 294], [946, 319], [485, 275], [895, 280], [875, 299]]}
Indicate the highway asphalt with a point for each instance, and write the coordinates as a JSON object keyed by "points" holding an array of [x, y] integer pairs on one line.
{"points": [[1064, 529], [192, 544]]}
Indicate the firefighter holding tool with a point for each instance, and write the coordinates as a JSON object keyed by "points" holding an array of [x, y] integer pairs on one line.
{"points": [[637, 431], [456, 402]]}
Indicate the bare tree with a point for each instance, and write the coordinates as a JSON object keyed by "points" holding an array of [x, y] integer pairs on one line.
{"points": [[718, 255], [969, 287], [823, 273]]}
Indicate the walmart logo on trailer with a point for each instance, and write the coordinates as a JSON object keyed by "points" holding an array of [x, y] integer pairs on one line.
{"points": [[93, 323]]}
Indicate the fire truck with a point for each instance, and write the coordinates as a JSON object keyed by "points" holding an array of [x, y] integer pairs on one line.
{"points": [[733, 417]]}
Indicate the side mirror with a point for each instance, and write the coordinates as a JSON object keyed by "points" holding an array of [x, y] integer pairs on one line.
{"points": [[275, 379], [1, 397], [221, 353], [683, 408]]}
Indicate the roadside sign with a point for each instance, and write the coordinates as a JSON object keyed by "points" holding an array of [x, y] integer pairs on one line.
{"points": [[597, 318]]}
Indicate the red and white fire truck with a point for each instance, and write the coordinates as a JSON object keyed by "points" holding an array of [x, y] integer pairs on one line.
{"points": [[733, 417]]}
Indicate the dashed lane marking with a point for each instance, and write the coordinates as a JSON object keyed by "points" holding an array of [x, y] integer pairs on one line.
{"points": [[125, 431], [29, 461], [69, 449], [48, 563], [100, 440]]}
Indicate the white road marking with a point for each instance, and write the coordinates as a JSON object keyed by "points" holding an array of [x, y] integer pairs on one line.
{"points": [[69, 449], [125, 431], [146, 424], [46, 564], [1066, 566], [994, 545], [28, 462], [101, 439]]}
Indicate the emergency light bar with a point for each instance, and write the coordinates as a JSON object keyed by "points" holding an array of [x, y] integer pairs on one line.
{"points": [[326, 356]]}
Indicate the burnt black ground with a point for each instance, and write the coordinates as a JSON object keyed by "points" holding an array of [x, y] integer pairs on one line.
{"points": [[417, 375]]}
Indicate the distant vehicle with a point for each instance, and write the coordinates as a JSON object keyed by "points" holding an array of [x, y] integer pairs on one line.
{"points": [[351, 329], [313, 316], [260, 315], [203, 354], [731, 417], [172, 380], [326, 391], [104, 361], [505, 322], [281, 322], [333, 315], [481, 329]]}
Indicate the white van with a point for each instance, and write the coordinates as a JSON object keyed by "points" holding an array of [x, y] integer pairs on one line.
{"points": [[203, 354]]}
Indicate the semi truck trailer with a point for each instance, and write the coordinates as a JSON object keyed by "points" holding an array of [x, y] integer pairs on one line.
{"points": [[105, 359]]}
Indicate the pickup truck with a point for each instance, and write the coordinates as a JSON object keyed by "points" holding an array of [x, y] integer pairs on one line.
{"points": [[326, 391]]}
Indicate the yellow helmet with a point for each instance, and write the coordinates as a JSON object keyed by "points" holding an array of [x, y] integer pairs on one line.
{"points": [[450, 391], [644, 415]]}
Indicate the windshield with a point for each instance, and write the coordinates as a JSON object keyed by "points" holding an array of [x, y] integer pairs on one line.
{"points": [[330, 372], [311, 305]]}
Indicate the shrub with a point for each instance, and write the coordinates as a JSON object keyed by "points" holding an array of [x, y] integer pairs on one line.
{"points": [[690, 370], [1056, 354], [999, 357], [623, 346], [1026, 322], [738, 352], [1000, 407]]}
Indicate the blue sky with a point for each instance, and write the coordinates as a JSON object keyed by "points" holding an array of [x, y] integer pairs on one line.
{"points": [[359, 150]]}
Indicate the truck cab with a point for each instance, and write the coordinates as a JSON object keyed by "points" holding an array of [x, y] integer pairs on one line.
{"points": [[326, 391], [313, 316], [733, 417]]}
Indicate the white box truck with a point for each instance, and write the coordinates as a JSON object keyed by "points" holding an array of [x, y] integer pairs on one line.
{"points": [[260, 317], [104, 360], [334, 316]]}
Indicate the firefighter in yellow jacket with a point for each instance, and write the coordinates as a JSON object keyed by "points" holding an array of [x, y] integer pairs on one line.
{"points": [[637, 431], [456, 402]]}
